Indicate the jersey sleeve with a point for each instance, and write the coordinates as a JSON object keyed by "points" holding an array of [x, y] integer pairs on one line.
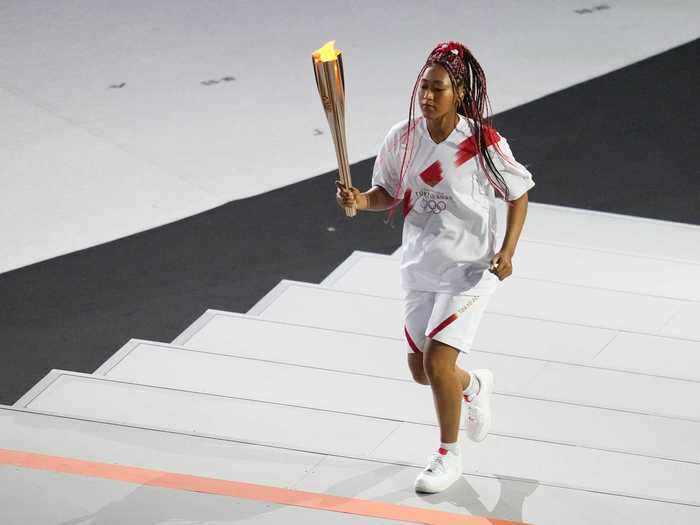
{"points": [[516, 176], [386, 172]]}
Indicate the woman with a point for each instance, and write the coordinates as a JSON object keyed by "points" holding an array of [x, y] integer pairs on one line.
{"points": [[448, 167]]}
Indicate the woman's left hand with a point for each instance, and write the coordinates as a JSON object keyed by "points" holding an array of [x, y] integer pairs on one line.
{"points": [[501, 265]]}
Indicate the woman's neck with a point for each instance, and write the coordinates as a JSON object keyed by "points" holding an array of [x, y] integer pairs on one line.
{"points": [[440, 128]]}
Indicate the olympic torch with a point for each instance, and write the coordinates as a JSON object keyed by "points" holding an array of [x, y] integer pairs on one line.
{"points": [[328, 68]]}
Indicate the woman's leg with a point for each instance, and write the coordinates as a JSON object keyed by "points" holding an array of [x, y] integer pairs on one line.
{"points": [[447, 382], [417, 309], [415, 364]]}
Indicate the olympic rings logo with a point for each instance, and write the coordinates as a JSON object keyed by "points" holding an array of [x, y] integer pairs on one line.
{"points": [[433, 206]]}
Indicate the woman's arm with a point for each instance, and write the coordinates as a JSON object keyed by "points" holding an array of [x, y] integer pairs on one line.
{"points": [[374, 199], [501, 264]]}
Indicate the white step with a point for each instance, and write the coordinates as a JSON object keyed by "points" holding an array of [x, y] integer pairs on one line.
{"points": [[311, 305], [245, 336], [374, 274], [92, 440], [90, 479], [546, 262], [159, 364], [613, 233], [518, 500], [101, 399], [84, 395], [605, 472], [229, 460]]}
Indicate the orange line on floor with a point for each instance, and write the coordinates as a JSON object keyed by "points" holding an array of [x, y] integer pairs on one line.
{"points": [[238, 489]]}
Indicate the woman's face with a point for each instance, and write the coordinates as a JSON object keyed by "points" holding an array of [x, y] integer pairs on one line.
{"points": [[436, 97]]}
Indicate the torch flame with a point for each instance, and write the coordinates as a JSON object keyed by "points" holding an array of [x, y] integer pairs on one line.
{"points": [[327, 53]]}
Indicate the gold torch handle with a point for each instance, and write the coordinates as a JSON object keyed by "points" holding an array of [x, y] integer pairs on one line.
{"points": [[336, 121]]}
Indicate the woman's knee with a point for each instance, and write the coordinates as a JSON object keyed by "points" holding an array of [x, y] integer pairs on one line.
{"points": [[434, 369], [420, 377], [439, 361], [415, 364]]}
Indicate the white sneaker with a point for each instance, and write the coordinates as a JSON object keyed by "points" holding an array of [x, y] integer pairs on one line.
{"points": [[478, 407], [441, 472]]}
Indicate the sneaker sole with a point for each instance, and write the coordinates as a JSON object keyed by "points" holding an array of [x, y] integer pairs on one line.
{"points": [[434, 489]]}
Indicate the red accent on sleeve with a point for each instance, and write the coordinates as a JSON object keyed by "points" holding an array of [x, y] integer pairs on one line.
{"points": [[467, 149]]}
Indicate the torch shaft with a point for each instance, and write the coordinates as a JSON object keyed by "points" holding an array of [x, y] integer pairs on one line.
{"points": [[336, 121], [329, 77]]}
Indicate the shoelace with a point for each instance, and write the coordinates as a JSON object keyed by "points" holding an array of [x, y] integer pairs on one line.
{"points": [[437, 464], [472, 410]]}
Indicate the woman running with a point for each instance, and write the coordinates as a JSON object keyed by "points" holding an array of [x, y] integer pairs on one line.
{"points": [[448, 167]]}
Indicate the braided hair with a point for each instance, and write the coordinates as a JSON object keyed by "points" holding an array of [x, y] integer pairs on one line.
{"points": [[464, 71]]}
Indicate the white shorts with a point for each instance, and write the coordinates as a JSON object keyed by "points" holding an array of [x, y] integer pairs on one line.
{"points": [[450, 319]]}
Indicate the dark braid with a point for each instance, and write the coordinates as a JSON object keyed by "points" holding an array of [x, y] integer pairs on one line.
{"points": [[464, 70], [477, 107]]}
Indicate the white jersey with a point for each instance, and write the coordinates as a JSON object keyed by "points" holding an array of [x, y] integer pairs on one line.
{"points": [[454, 223]]}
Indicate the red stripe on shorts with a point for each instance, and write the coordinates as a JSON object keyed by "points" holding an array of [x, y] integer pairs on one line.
{"points": [[410, 341], [443, 325]]}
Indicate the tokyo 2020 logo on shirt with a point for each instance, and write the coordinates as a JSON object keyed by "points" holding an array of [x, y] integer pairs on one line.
{"points": [[431, 202]]}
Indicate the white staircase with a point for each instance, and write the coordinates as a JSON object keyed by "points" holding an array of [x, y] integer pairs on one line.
{"points": [[594, 343]]}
